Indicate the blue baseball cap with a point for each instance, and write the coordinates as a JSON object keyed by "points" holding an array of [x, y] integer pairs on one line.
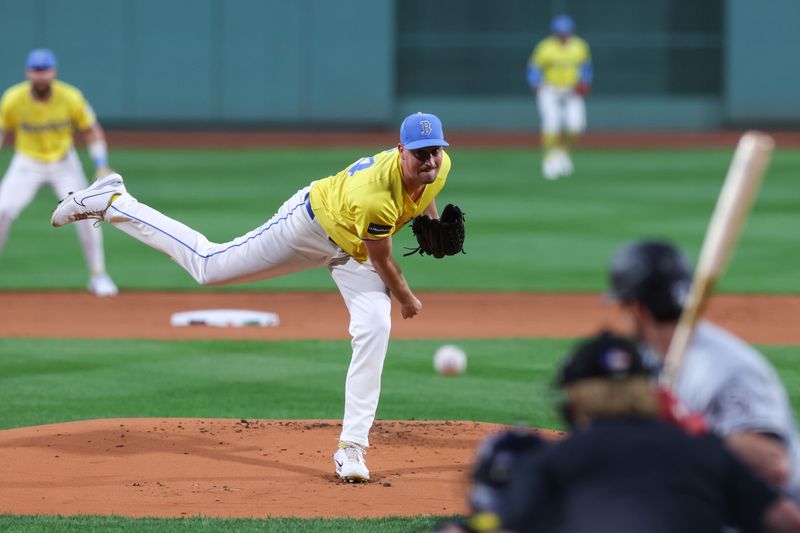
{"points": [[420, 130], [563, 24], [41, 58]]}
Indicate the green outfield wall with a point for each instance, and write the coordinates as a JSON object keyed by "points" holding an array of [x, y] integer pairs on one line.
{"points": [[660, 64]]}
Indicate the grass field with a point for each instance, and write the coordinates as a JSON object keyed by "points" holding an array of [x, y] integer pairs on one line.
{"points": [[524, 234]]}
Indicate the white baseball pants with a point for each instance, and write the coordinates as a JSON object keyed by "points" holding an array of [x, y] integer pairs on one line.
{"points": [[23, 179], [561, 110], [288, 242]]}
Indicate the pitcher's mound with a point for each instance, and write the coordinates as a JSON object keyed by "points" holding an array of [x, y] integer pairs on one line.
{"points": [[233, 468]]}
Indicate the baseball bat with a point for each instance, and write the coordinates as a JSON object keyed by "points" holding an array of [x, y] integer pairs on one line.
{"points": [[735, 199]]}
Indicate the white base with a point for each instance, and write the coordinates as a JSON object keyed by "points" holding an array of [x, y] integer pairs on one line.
{"points": [[224, 318]]}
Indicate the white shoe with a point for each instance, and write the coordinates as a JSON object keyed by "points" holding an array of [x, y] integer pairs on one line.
{"points": [[550, 167], [349, 461], [102, 285], [91, 202]]}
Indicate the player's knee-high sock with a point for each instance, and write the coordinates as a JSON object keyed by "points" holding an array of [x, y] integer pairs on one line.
{"points": [[92, 244], [550, 142]]}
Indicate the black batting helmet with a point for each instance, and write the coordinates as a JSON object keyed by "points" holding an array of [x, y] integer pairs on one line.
{"points": [[653, 273]]}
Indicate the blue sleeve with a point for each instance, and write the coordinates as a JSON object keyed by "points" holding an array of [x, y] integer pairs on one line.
{"points": [[587, 73], [534, 75]]}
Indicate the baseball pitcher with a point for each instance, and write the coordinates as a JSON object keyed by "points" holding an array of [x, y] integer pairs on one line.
{"points": [[344, 223]]}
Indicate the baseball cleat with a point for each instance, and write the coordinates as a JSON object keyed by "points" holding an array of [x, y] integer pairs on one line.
{"points": [[550, 167], [91, 202], [565, 163], [349, 461], [101, 285]]}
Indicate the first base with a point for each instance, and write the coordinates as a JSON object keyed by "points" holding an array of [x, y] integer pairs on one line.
{"points": [[224, 318]]}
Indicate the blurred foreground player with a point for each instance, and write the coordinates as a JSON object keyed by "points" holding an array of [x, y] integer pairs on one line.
{"points": [[623, 467]]}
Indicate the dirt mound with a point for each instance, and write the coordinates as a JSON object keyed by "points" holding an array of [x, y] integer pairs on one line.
{"points": [[233, 468]]}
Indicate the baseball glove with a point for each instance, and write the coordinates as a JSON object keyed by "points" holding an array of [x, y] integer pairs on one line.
{"points": [[439, 237]]}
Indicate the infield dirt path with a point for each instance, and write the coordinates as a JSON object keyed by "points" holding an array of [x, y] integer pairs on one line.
{"points": [[258, 468]]}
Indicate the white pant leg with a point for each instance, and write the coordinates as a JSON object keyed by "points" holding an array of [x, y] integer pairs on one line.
{"points": [[19, 185], [575, 110], [67, 176], [288, 242], [368, 302], [550, 109]]}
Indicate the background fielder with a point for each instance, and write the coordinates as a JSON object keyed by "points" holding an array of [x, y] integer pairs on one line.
{"points": [[43, 113], [560, 74], [344, 222]]}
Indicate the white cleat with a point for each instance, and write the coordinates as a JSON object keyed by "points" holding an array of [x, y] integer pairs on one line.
{"points": [[350, 464], [550, 167], [91, 202], [101, 285], [565, 163]]}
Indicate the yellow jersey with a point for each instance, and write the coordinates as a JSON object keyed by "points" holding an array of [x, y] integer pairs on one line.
{"points": [[43, 129], [559, 62], [367, 201]]}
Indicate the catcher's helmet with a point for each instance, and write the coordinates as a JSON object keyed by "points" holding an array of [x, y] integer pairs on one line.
{"points": [[653, 273], [606, 356]]}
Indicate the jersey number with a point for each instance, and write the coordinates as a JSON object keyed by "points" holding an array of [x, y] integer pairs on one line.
{"points": [[361, 164]]}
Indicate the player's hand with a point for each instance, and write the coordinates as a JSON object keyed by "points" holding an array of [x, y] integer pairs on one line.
{"points": [[411, 308], [102, 172], [582, 89]]}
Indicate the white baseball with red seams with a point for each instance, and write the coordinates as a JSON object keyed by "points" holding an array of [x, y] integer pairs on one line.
{"points": [[450, 360]]}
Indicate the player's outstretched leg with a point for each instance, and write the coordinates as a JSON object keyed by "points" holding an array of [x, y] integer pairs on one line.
{"points": [[288, 242]]}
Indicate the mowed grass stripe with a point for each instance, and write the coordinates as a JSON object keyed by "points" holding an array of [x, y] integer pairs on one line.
{"points": [[507, 380], [524, 233]]}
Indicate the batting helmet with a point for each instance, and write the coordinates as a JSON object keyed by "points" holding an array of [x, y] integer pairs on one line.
{"points": [[563, 24], [653, 273]]}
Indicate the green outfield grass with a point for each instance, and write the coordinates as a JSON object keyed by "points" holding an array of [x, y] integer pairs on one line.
{"points": [[524, 233]]}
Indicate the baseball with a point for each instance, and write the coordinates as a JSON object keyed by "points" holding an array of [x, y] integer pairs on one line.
{"points": [[450, 360]]}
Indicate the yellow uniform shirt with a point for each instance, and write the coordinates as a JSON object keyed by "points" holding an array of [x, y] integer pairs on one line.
{"points": [[560, 62], [367, 201], [44, 129]]}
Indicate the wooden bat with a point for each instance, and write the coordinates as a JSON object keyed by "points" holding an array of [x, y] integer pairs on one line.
{"points": [[737, 195]]}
